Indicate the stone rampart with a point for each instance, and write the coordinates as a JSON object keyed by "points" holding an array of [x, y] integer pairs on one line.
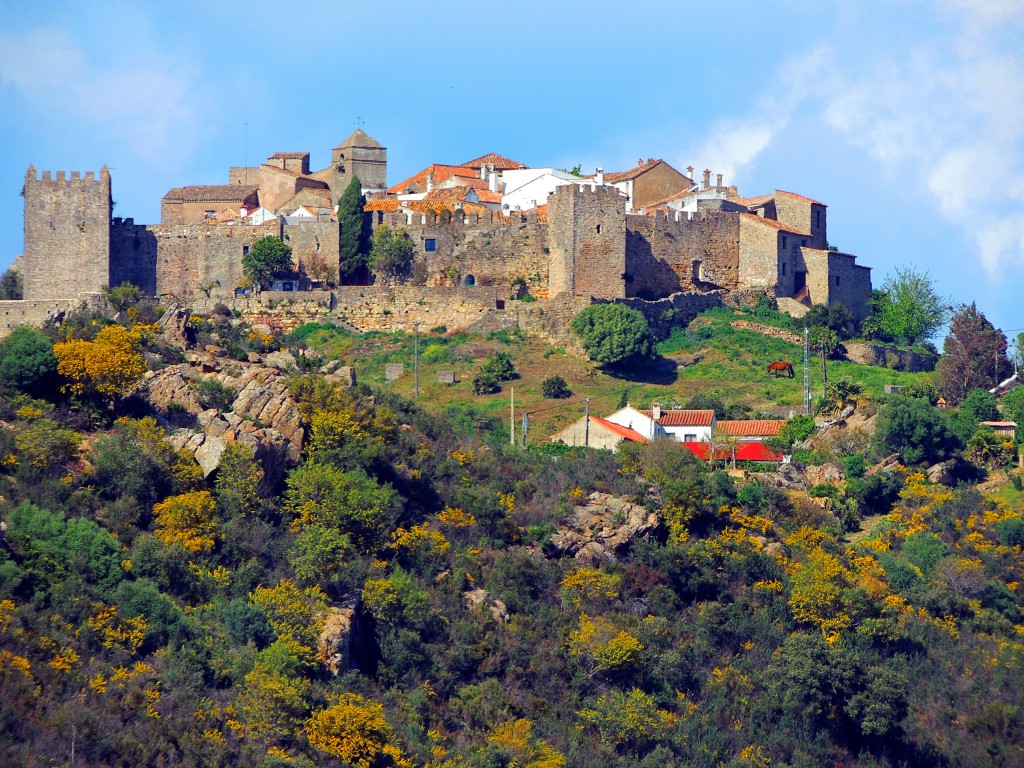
{"points": [[679, 309], [889, 357], [38, 313]]}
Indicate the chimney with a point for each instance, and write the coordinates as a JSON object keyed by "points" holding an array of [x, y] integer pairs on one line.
{"points": [[656, 411], [707, 178], [718, 183], [430, 182], [689, 171], [492, 180], [599, 177]]}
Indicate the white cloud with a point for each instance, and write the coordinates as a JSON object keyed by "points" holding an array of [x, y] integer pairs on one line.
{"points": [[145, 106], [733, 144]]}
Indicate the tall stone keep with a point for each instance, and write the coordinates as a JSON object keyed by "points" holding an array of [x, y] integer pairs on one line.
{"points": [[362, 156], [67, 234], [587, 241]]}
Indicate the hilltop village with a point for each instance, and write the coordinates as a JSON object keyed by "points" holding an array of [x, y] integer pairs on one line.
{"points": [[485, 231]]}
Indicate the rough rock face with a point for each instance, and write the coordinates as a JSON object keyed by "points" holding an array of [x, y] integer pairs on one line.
{"points": [[603, 527], [888, 464], [943, 473], [334, 646], [788, 477], [476, 599], [174, 327], [826, 473], [264, 416]]}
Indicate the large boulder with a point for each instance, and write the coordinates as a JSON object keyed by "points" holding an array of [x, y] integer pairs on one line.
{"points": [[603, 528], [337, 639]]}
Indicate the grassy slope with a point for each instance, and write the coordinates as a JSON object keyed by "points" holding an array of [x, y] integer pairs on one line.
{"points": [[732, 366]]}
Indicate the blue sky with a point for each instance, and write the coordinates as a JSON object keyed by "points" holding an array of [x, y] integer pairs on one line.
{"points": [[906, 118]]}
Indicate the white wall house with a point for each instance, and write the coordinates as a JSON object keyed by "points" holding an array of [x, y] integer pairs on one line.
{"points": [[527, 188], [637, 420]]}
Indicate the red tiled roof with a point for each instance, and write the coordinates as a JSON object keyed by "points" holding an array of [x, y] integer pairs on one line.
{"points": [[624, 432], [642, 168], [451, 206], [500, 162], [487, 196], [750, 427], [751, 202], [684, 418], [798, 197], [382, 204], [289, 155], [441, 173], [772, 223], [747, 452], [212, 193]]}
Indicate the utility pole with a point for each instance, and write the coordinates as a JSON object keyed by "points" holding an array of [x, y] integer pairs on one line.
{"points": [[586, 425], [526, 427], [512, 417], [824, 374], [807, 376], [416, 361]]}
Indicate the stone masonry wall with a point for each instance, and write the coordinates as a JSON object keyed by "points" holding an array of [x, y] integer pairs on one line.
{"points": [[803, 215], [67, 234], [668, 254], [679, 309], [36, 313], [314, 241], [587, 238], [133, 255], [759, 253], [494, 250]]}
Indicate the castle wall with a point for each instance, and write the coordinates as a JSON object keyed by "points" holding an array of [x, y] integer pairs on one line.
{"points": [[759, 256], [667, 254], [244, 175], [175, 213], [133, 255], [34, 313], [587, 238], [494, 250], [314, 242], [67, 234]]}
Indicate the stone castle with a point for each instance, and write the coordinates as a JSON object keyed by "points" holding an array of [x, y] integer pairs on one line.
{"points": [[640, 236]]}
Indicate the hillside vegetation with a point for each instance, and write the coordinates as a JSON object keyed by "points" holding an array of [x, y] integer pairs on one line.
{"points": [[416, 592]]}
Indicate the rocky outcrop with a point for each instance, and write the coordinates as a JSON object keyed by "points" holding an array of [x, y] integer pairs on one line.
{"points": [[263, 416], [888, 464], [788, 477], [174, 327], [943, 473], [604, 527], [337, 639], [824, 473], [477, 599]]}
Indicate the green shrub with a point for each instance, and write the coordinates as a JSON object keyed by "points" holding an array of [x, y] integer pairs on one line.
{"points": [[554, 387], [613, 333], [215, 394]]}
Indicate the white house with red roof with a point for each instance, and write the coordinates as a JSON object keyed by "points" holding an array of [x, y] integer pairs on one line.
{"points": [[598, 433]]}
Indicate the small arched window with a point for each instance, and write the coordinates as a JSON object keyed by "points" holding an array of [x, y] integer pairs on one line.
{"points": [[470, 280]]}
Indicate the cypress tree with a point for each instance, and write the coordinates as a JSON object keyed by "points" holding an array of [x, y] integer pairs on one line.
{"points": [[353, 238]]}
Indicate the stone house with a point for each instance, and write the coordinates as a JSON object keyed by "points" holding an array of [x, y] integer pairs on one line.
{"points": [[196, 204], [601, 433], [647, 182]]}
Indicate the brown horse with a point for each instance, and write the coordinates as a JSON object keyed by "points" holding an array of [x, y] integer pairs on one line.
{"points": [[781, 366]]}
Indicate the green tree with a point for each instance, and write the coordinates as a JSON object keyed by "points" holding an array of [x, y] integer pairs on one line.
{"points": [[124, 295], [973, 355], [26, 359], [907, 309], [391, 253], [554, 387], [238, 479], [267, 256], [915, 430], [12, 285], [1013, 405], [353, 234], [613, 334]]}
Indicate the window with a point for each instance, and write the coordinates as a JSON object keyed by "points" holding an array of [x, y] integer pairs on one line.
{"points": [[599, 229], [783, 265], [784, 241], [803, 242], [837, 281], [318, 246], [209, 214], [430, 245], [817, 218], [688, 438], [470, 280], [245, 250]]}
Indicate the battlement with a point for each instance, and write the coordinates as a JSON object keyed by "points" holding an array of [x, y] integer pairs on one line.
{"points": [[594, 190], [456, 220], [63, 178]]}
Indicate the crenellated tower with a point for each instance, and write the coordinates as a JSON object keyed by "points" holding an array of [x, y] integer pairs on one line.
{"points": [[67, 234]]}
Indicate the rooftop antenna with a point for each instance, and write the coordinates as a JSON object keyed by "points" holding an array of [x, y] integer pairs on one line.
{"points": [[245, 153]]}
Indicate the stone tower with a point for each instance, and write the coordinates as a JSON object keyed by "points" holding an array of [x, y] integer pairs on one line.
{"points": [[362, 156], [67, 234], [587, 239]]}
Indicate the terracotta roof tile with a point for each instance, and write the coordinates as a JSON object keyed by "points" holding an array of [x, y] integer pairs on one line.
{"points": [[441, 173], [212, 193], [750, 427], [624, 432], [360, 138], [448, 193], [684, 418], [289, 155], [382, 204], [772, 223], [632, 173], [798, 197], [487, 196], [500, 162], [751, 202]]}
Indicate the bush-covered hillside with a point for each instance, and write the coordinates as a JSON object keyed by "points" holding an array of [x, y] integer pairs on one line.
{"points": [[408, 596]]}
